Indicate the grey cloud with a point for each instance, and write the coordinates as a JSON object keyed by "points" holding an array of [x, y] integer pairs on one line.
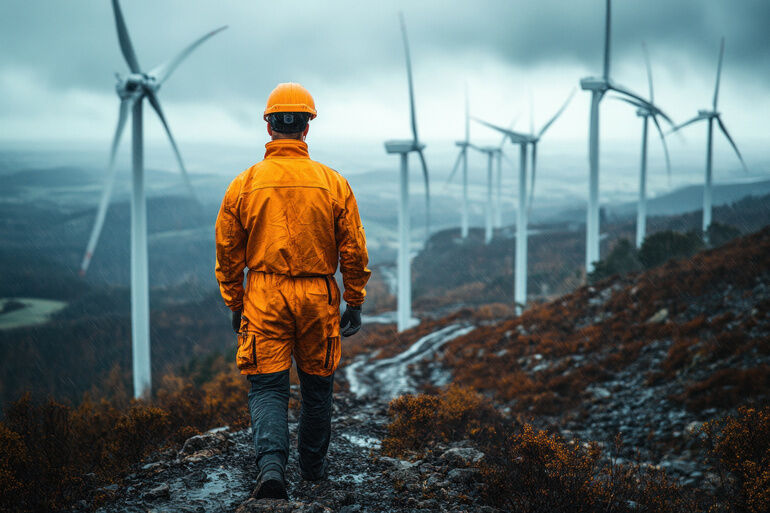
{"points": [[73, 43]]}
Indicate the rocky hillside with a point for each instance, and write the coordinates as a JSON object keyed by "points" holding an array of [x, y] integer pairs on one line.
{"points": [[644, 392]]}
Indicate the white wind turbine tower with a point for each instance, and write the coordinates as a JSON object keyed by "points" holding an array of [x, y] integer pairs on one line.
{"points": [[463, 157], [647, 112], [522, 218], [598, 87], [489, 207], [404, 148], [132, 90], [710, 116]]}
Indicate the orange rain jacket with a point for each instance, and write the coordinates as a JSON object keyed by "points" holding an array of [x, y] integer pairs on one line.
{"points": [[289, 220]]}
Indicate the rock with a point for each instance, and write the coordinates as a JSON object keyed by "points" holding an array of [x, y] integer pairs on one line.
{"points": [[209, 440], [109, 488], [462, 457], [398, 464], [195, 479], [267, 506], [462, 475], [161, 491], [659, 316], [434, 480], [693, 428], [601, 393], [151, 466]]}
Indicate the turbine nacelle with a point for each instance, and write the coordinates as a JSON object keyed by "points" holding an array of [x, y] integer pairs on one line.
{"points": [[135, 83], [594, 84], [708, 113], [403, 146]]}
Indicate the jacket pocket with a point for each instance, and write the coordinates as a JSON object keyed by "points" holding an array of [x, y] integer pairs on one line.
{"points": [[246, 357], [331, 350]]}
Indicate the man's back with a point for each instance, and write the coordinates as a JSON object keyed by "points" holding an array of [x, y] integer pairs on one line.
{"points": [[294, 217]]}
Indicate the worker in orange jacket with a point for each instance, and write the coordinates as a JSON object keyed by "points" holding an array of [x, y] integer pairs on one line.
{"points": [[289, 220]]}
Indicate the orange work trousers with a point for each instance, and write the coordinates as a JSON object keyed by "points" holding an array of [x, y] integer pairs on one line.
{"points": [[285, 316]]}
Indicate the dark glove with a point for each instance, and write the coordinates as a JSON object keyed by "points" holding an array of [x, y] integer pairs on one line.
{"points": [[351, 321], [237, 321]]}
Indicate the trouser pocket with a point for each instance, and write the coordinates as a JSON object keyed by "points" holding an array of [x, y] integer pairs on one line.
{"points": [[246, 358], [331, 351]]}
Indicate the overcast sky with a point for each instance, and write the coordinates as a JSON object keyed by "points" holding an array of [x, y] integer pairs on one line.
{"points": [[59, 57]]}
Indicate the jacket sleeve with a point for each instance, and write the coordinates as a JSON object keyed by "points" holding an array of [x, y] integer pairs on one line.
{"points": [[231, 240], [351, 245]]}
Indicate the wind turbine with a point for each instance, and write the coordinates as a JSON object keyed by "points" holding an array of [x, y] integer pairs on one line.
{"points": [[132, 90], [710, 116], [463, 157], [598, 87], [522, 218], [647, 112], [404, 148]]}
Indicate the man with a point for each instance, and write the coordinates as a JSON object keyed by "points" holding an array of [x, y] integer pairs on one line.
{"points": [[289, 219]]}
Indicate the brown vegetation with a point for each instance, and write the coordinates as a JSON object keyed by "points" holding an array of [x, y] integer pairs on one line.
{"points": [[52, 454], [525, 469], [739, 447], [543, 360]]}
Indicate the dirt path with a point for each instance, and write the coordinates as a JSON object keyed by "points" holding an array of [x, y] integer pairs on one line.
{"points": [[216, 472]]}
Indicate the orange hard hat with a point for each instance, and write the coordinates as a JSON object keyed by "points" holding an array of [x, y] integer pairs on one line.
{"points": [[290, 97]]}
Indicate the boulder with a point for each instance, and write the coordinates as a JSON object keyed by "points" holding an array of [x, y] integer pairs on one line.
{"points": [[462, 456]]}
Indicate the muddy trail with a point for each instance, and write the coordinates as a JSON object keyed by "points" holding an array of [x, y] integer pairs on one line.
{"points": [[216, 471]]}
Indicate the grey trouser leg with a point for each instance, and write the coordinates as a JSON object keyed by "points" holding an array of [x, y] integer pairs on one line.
{"points": [[314, 423], [269, 403]]}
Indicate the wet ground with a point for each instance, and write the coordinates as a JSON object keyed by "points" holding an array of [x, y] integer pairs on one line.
{"points": [[216, 472]]}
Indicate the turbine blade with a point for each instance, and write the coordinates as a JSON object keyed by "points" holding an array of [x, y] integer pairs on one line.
{"points": [[109, 185], [629, 101], [156, 106], [649, 71], [646, 103], [125, 42], [456, 167], [508, 159], [427, 194], [409, 75], [510, 127], [558, 113], [467, 115], [719, 71], [531, 113], [665, 146], [732, 143], [607, 21], [514, 136], [690, 122], [163, 71]]}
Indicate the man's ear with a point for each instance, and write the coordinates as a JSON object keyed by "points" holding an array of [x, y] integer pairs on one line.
{"points": [[304, 132], [269, 130]]}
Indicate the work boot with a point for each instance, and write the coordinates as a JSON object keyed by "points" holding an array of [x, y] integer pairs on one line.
{"points": [[271, 485], [323, 475]]}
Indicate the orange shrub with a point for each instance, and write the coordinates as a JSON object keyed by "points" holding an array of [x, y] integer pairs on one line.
{"points": [[739, 447], [46, 449], [420, 420]]}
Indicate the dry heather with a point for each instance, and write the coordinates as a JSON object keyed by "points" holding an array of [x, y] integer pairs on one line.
{"points": [[529, 470], [713, 310], [52, 454]]}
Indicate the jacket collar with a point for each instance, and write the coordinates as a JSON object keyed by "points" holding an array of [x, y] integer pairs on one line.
{"points": [[286, 148]]}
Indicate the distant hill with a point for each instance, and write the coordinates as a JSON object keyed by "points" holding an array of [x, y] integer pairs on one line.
{"points": [[691, 198]]}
